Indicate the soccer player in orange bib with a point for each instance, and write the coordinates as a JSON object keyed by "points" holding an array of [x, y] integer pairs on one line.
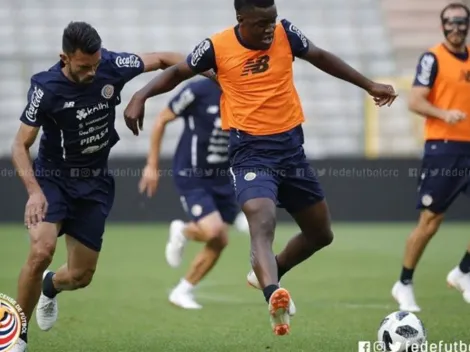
{"points": [[262, 110], [441, 94]]}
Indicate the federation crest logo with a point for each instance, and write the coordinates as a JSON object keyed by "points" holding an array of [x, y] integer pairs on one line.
{"points": [[108, 91], [12, 322]]}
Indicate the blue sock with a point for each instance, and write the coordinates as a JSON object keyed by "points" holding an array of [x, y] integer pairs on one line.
{"points": [[269, 290], [48, 288]]}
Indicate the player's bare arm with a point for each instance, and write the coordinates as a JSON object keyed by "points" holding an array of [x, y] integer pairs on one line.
{"points": [[383, 94], [150, 176], [160, 60], [163, 83], [419, 104], [37, 205]]}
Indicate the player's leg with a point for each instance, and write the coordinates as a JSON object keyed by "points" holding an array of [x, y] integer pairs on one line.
{"points": [[439, 186], [84, 228], [212, 230], [43, 239], [256, 193], [302, 196], [180, 232]]}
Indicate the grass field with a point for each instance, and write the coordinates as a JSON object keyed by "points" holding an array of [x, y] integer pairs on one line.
{"points": [[341, 294]]}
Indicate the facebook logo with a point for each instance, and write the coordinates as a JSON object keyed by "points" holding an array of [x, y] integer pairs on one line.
{"points": [[363, 346]]}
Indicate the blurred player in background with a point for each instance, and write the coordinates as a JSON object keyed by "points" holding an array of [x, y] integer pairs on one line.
{"points": [[70, 191], [200, 169], [260, 106], [441, 94]]}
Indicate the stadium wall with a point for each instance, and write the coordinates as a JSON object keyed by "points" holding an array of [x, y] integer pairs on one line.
{"points": [[357, 190]]}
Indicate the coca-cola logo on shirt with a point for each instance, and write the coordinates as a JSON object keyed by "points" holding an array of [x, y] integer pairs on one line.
{"points": [[128, 61]]}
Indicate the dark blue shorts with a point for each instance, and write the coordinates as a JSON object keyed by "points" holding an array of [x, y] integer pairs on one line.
{"points": [[81, 205], [273, 167], [443, 178], [200, 197]]}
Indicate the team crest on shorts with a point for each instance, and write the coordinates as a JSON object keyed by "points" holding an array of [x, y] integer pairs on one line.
{"points": [[196, 210], [250, 176], [108, 91], [12, 322], [426, 200]]}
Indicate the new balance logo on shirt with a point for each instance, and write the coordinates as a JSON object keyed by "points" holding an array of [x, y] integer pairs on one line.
{"points": [[255, 66]]}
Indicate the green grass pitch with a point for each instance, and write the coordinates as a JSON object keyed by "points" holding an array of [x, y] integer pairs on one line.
{"points": [[341, 293]]}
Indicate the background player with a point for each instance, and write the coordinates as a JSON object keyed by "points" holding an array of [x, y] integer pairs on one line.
{"points": [[262, 108], [69, 189], [200, 169], [440, 93]]}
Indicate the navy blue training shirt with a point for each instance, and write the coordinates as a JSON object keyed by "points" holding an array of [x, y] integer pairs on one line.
{"points": [[78, 120], [202, 150]]}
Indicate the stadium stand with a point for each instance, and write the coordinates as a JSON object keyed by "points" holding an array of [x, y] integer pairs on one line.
{"points": [[335, 111]]}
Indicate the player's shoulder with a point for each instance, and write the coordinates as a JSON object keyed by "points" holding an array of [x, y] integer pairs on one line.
{"points": [[225, 36], [117, 59], [49, 80], [289, 27], [428, 59]]}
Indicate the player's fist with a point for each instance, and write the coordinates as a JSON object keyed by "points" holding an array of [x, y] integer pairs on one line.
{"points": [[149, 182], [36, 209], [453, 116], [383, 94], [134, 114]]}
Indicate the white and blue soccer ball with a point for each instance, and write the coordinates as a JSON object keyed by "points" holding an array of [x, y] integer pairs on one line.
{"points": [[401, 332]]}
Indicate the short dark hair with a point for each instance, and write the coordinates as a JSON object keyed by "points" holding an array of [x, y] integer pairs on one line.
{"points": [[242, 4], [80, 36], [455, 5]]}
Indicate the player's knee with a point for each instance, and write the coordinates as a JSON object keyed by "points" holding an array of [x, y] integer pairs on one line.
{"points": [[429, 223], [326, 238], [261, 215], [218, 237], [319, 238], [81, 278], [40, 256]]}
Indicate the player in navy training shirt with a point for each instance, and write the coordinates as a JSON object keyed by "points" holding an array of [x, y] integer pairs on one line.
{"points": [[200, 169], [70, 191]]}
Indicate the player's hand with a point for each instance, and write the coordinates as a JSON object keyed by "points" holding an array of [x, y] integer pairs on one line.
{"points": [[383, 94], [134, 115], [453, 116], [36, 209], [149, 182]]}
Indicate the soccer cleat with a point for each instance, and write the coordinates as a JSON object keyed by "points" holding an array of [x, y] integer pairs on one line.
{"points": [[460, 281], [184, 300], [176, 243], [253, 282], [47, 310], [279, 303], [405, 297], [19, 346]]}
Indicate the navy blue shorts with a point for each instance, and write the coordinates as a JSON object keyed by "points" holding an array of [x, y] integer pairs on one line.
{"points": [[443, 178], [200, 197], [80, 205], [273, 167]]}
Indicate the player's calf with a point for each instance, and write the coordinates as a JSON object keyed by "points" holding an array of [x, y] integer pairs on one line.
{"points": [[261, 216], [214, 232], [316, 234], [43, 242]]}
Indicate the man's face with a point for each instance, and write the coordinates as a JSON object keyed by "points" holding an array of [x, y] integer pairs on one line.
{"points": [[455, 26], [81, 67], [257, 25]]}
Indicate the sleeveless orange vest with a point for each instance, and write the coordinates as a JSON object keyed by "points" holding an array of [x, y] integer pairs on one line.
{"points": [[451, 91], [258, 93]]}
